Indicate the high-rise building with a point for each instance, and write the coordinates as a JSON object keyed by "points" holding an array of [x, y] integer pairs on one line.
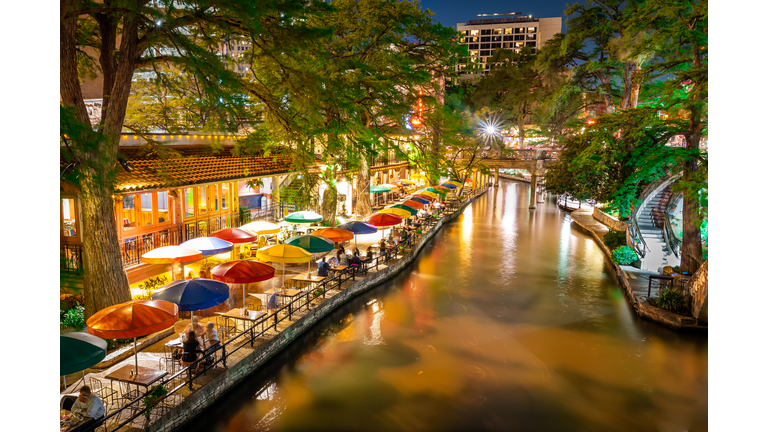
{"points": [[503, 30]]}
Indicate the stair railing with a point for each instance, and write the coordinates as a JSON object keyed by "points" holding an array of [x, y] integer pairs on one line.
{"points": [[638, 242]]}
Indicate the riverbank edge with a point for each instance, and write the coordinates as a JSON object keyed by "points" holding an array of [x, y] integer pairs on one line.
{"points": [[642, 308], [511, 177], [197, 402]]}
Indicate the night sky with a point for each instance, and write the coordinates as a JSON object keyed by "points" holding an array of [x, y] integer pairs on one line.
{"points": [[450, 12]]}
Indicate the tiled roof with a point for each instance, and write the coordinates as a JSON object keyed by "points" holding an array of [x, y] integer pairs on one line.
{"points": [[190, 165]]}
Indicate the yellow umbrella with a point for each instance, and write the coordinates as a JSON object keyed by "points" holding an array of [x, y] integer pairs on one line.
{"points": [[261, 227], [405, 214], [418, 176], [427, 193], [283, 253]]}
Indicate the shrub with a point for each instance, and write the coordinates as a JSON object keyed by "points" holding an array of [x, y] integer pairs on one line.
{"points": [[149, 286], [74, 318], [623, 255], [614, 239], [153, 396], [670, 300]]}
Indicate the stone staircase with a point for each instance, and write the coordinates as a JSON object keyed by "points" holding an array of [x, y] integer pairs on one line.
{"points": [[650, 222]]}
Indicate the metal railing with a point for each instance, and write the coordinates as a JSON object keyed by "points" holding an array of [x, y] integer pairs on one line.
{"points": [[638, 242], [71, 258], [249, 335]]}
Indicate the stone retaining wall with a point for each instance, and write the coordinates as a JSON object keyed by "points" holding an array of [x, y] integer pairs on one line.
{"points": [[698, 288], [644, 309], [609, 221], [198, 401], [511, 177]]}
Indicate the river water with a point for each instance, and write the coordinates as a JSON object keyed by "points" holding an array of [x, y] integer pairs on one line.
{"points": [[509, 320]]}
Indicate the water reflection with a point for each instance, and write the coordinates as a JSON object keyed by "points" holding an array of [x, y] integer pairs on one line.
{"points": [[509, 321]]}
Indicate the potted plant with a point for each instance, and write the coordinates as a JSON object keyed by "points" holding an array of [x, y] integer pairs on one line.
{"points": [[152, 398]]}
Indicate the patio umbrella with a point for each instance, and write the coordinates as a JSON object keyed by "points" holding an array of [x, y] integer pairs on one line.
{"points": [[434, 190], [235, 235], [418, 199], [261, 227], [404, 214], [411, 211], [193, 294], [406, 182], [426, 193], [312, 244], [171, 255], [79, 351], [418, 176], [133, 319], [335, 234], [456, 183], [442, 188], [242, 272], [380, 189], [449, 185], [418, 205], [208, 245], [357, 227], [283, 253], [391, 186], [304, 217], [455, 180], [384, 219]]}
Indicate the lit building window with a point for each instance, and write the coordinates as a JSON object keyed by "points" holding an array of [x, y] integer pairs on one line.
{"points": [[163, 214], [129, 212]]}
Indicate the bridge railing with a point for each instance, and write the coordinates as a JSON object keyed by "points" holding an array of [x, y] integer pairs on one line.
{"points": [[522, 154]]}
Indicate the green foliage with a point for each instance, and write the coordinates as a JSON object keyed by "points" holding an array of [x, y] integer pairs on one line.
{"points": [[671, 300], [615, 239], [245, 214], [74, 318], [623, 255], [149, 286], [152, 397]]}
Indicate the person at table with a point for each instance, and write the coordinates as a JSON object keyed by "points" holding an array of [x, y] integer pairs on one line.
{"points": [[272, 304], [341, 255], [383, 247], [322, 268], [192, 349], [87, 404], [390, 238], [196, 327], [369, 251], [212, 342], [356, 251], [355, 262]]}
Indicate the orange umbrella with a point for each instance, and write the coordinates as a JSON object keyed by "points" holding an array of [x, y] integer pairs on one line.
{"points": [[384, 219], [133, 319], [415, 204], [334, 234]]}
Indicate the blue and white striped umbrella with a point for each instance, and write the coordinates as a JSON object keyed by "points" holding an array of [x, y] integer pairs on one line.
{"points": [[209, 245]]}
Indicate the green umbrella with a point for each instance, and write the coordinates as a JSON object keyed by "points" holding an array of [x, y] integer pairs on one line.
{"points": [[311, 244], [437, 191], [379, 189], [303, 217], [79, 351], [407, 208]]}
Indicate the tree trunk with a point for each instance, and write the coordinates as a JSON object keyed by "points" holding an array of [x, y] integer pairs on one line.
{"points": [[626, 97], [637, 78], [363, 203], [329, 206], [691, 256]]}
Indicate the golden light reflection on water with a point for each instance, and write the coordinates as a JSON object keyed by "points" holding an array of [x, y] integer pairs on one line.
{"points": [[464, 343]]}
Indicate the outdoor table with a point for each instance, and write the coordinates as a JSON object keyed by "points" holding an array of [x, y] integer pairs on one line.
{"points": [[289, 293], [144, 377], [340, 268], [252, 316], [309, 279], [73, 427]]}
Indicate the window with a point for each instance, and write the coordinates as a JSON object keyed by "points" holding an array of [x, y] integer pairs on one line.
{"points": [[485, 53], [496, 38], [518, 44], [475, 39], [519, 37], [495, 45], [519, 30], [474, 46], [530, 44], [531, 36], [508, 30], [202, 201], [473, 53], [485, 46], [497, 31], [189, 202], [474, 32], [129, 212], [225, 196], [213, 196], [485, 32], [485, 39], [69, 218], [163, 215], [531, 29], [462, 40], [146, 209], [508, 38]]}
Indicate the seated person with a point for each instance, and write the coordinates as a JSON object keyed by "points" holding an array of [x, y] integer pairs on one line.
{"points": [[196, 327], [356, 251], [192, 349], [355, 261], [272, 304], [369, 251], [87, 404], [383, 247], [390, 238], [341, 254], [212, 342], [333, 262], [322, 268]]}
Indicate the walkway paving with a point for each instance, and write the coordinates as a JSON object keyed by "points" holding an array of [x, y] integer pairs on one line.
{"points": [[152, 356], [584, 216]]}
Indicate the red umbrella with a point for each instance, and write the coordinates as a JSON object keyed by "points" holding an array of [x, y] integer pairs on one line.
{"points": [[383, 219], [426, 197], [235, 235], [133, 319], [242, 272]]}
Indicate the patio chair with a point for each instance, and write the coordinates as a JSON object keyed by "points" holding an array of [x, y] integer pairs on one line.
{"points": [[104, 392]]}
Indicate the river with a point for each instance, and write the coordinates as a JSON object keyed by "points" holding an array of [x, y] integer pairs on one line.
{"points": [[510, 320]]}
